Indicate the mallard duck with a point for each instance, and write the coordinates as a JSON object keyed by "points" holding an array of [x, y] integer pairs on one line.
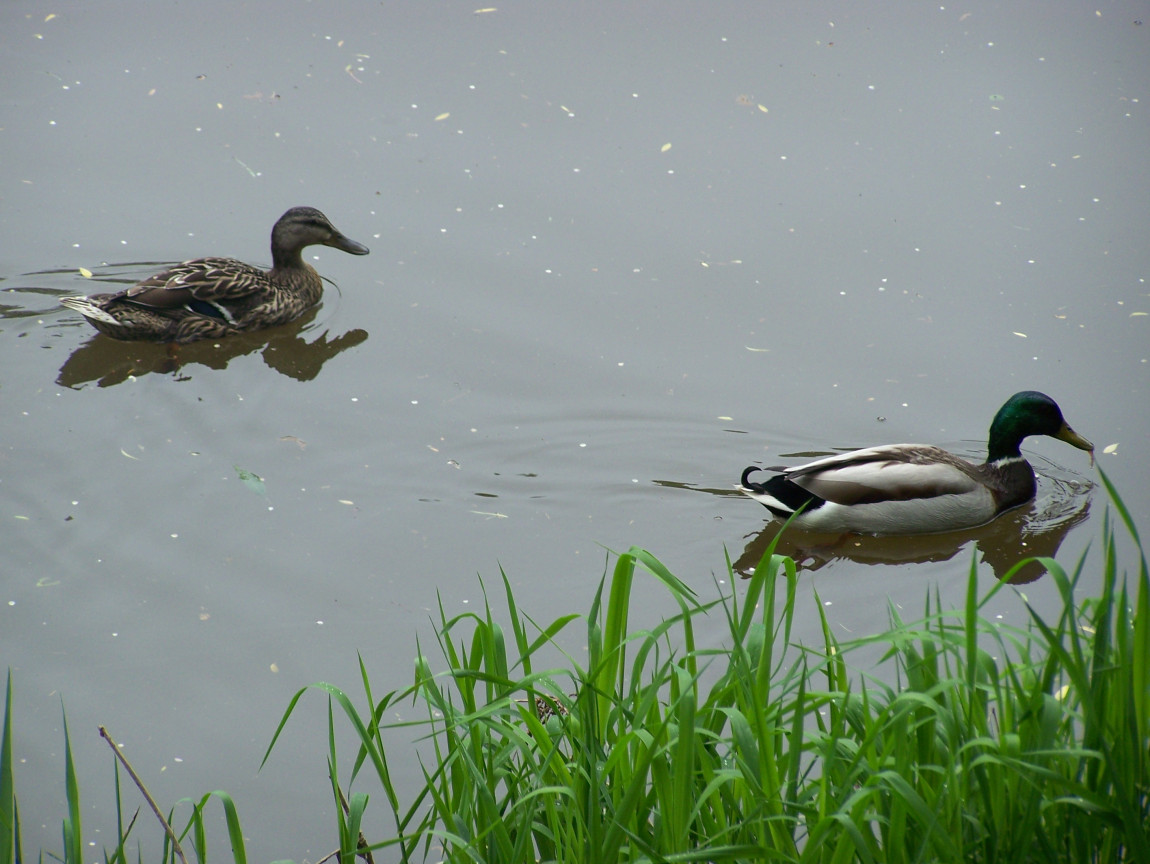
{"points": [[209, 298], [917, 488]]}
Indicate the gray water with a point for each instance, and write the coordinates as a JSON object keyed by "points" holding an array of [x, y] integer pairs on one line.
{"points": [[619, 252]]}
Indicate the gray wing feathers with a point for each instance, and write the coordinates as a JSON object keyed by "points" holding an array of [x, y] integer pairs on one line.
{"points": [[897, 472]]}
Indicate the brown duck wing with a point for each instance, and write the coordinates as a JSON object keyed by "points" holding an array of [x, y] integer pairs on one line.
{"points": [[896, 472], [208, 279]]}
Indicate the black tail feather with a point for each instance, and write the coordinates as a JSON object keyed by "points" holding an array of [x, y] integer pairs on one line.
{"points": [[786, 492], [746, 483]]}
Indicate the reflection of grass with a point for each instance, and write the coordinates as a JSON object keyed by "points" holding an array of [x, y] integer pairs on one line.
{"points": [[629, 756]]}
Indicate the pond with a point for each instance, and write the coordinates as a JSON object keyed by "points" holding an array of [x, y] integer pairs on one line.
{"points": [[618, 253]]}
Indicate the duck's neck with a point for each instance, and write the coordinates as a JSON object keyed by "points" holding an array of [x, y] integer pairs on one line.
{"points": [[1005, 437], [1003, 447], [287, 259]]}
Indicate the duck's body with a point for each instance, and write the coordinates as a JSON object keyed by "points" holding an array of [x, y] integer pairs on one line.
{"points": [[916, 488], [209, 298]]}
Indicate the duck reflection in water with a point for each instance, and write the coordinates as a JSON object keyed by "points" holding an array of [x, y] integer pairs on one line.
{"points": [[285, 349]]}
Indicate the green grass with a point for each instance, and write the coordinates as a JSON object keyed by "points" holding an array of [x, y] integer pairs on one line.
{"points": [[971, 740], [992, 744]]}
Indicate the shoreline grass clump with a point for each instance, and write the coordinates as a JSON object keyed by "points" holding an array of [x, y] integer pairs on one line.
{"points": [[971, 741], [993, 743]]}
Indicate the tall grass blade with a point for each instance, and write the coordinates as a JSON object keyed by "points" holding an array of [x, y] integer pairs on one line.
{"points": [[9, 818], [1120, 506], [1140, 655], [73, 834], [232, 819]]}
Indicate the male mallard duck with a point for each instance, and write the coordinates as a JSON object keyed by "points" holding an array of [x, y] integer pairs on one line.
{"points": [[208, 298], [917, 488]]}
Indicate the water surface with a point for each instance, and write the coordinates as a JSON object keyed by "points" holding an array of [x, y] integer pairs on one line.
{"points": [[618, 254]]}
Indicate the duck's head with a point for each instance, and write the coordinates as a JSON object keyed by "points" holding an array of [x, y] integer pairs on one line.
{"points": [[1030, 413], [305, 226]]}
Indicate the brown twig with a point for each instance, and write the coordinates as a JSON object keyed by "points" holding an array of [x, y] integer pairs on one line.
{"points": [[143, 791]]}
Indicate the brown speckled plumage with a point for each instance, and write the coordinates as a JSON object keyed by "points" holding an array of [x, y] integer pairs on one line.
{"points": [[209, 298]]}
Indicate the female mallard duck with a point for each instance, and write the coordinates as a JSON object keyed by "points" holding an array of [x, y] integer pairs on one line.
{"points": [[917, 488], [209, 298]]}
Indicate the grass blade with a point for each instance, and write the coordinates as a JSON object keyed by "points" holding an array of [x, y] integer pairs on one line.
{"points": [[73, 834], [9, 818]]}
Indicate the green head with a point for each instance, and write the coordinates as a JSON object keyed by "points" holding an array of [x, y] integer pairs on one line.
{"points": [[1029, 413]]}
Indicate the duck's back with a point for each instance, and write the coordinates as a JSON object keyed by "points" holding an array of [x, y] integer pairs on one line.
{"points": [[211, 279]]}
